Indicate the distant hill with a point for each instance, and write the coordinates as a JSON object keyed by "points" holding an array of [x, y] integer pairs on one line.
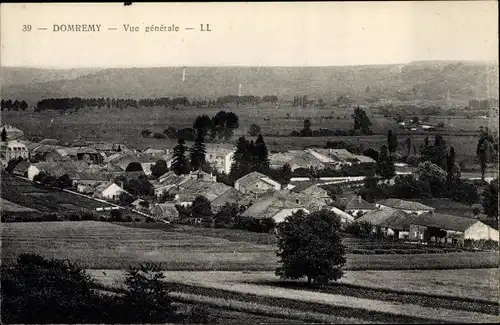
{"points": [[25, 76], [422, 80]]}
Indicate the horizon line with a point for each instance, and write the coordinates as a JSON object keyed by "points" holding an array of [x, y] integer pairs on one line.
{"points": [[245, 66]]}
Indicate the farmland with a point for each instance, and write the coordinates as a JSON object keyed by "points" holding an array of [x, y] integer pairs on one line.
{"points": [[349, 298], [27, 194], [104, 245]]}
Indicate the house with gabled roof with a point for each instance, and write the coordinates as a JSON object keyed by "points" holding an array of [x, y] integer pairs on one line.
{"points": [[344, 216], [392, 222], [188, 193], [110, 191], [356, 206], [272, 207], [21, 169], [256, 182], [317, 192], [231, 196], [406, 206], [220, 157], [57, 169], [448, 228]]}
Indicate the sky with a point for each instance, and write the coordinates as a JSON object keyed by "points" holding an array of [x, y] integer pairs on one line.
{"points": [[250, 34]]}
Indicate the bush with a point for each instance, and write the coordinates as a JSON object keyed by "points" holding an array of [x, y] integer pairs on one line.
{"points": [[74, 217], [39, 290], [116, 215], [199, 314], [413, 160], [50, 217], [88, 216], [360, 229], [158, 135], [147, 299]]}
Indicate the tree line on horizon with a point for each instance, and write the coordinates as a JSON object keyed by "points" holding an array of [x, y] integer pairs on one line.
{"points": [[15, 105], [76, 103]]}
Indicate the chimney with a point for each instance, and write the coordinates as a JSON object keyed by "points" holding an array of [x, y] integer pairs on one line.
{"points": [[359, 199]]}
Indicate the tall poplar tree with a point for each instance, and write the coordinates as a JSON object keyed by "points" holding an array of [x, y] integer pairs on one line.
{"points": [[198, 152], [180, 163], [262, 155]]}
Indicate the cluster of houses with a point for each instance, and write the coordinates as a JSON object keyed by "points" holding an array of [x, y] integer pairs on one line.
{"points": [[95, 167], [418, 222], [318, 159]]}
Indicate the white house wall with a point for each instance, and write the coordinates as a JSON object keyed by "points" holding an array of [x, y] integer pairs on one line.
{"points": [[32, 172], [480, 231]]}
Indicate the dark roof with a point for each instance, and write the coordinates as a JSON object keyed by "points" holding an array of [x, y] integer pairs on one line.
{"points": [[50, 141], [443, 221], [22, 166], [357, 203], [231, 196], [96, 176], [405, 205], [250, 178], [387, 217]]}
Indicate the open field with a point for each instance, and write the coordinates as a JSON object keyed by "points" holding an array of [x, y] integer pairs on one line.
{"points": [[353, 245], [104, 245], [467, 284], [362, 303], [27, 194], [8, 206]]}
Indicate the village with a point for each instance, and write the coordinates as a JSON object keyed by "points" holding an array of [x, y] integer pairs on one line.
{"points": [[144, 182], [334, 163]]}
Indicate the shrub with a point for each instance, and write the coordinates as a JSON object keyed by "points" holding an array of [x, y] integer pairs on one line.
{"points": [[158, 135], [74, 217], [39, 290], [49, 217], [147, 299], [199, 314], [88, 216], [116, 215]]}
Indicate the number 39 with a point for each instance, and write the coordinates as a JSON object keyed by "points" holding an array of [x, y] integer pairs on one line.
{"points": [[26, 28]]}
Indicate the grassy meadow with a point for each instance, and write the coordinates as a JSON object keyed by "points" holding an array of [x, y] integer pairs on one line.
{"points": [[109, 246]]}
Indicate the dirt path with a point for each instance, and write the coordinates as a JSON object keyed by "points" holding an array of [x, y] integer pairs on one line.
{"points": [[234, 281]]}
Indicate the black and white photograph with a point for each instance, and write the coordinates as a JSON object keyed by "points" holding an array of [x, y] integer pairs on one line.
{"points": [[249, 163]]}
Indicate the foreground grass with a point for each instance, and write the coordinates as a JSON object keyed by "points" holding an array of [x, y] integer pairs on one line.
{"points": [[97, 245]]}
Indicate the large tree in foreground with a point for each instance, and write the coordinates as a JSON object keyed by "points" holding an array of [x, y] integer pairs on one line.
{"points": [[310, 246]]}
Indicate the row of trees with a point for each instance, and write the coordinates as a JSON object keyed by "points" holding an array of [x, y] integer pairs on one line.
{"points": [[77, 103], [15, 105]]}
